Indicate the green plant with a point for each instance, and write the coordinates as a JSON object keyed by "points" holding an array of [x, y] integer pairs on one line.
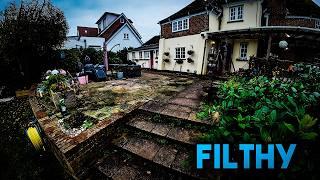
{"points": [[87, 124], [265, 110]]}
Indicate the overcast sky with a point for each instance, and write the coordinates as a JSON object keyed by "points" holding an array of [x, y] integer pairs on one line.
{"points": [[144, 13]]}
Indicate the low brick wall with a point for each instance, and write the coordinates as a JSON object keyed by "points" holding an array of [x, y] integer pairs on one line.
{"points": [[76, 154]]}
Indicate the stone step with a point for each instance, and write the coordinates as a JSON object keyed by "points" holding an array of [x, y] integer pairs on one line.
{"points": [[159, 151], [167, 130], [118, 165]]}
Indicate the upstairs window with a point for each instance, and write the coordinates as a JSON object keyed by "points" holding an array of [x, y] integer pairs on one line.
{"points": [[146, 54], [140, 55], [236, 13], [317, 24], [133, 55], [125, 36], [180, 25], [121, 20], [243, 51], [180, 53]]}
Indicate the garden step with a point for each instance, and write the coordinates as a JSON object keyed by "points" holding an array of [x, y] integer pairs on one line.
{"points": [[165, 130], [158, 151], [123, 166]]}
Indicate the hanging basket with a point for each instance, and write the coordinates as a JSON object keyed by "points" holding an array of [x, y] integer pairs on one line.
{"points": [[190, 60], [166, 60], [179, 61]]}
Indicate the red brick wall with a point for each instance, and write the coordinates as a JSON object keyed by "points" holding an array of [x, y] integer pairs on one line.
{"points": [[293, 22], [197, 24], [87, 31]]}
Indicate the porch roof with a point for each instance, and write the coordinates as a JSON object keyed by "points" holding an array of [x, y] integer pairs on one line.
{"points": [[264, 31]]}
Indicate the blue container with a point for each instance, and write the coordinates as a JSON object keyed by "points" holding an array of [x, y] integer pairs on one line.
{"points": [[119, 75]]}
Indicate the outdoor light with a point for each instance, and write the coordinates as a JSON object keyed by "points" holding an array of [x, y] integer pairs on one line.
{"points": [[213, 42], [287, 35], [283, 44]]}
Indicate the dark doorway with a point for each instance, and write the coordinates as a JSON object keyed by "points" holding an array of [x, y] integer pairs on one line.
{"points": [[151, 59]]}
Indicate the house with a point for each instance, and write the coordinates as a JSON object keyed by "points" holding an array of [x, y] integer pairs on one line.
{"points": [[229, 32], [87, 37], [118, 31], [147, 54]]}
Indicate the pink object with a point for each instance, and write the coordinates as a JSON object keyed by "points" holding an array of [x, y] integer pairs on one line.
{"points": [[83, 80]]}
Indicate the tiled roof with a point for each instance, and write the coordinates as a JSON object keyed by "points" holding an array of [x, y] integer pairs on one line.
{"points": [[87, 31], [106, 13], [152, 43]]}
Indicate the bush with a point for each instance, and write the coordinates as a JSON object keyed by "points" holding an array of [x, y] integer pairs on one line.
{"points": [[264, 110], [71, 60], [96, 57]]}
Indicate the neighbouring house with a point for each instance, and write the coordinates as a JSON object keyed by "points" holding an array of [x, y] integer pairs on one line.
{"points": [[86, 38], [147, 54], [234, 30], [118, 31]]}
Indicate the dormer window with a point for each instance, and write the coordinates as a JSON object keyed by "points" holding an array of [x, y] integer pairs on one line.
{"points": [[122, 20], [317, 26], [180, 25], [236, 13]]}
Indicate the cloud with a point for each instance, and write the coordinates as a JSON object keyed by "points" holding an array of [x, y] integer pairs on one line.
{"points": [[144, 13]]}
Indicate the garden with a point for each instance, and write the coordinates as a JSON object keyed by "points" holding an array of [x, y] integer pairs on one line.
{"points": [[269, 109]]}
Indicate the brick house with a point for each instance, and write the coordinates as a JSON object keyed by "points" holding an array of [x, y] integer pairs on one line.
{"points": [[241, 28]]}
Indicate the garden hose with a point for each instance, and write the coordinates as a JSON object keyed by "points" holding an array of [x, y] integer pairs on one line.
{"points": [[35, 138]]}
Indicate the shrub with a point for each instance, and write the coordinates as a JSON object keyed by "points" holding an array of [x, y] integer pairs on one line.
{"points": [[264, 110]]}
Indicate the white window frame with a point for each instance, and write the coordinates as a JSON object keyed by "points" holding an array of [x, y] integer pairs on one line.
{"points": [[317, 24], [180, 53], [126, 36], [133, 55], [140, 55], [122, 20], [243, 54], [146, 54], [180, 25], [236, 13]]}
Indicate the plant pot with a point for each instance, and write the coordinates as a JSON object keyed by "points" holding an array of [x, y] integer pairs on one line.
{"points": [[190, 52], [166, 53], [166, 60], [179, 61], [190, 60]]}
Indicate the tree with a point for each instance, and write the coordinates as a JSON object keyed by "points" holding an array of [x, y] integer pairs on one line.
{"points": [[29, 33]]}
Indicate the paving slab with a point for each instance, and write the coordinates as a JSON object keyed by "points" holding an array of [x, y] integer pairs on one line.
{"points": [[126, 173], [161, 129], [142, 124], [166, 155], [142, 147], [183, 135]]}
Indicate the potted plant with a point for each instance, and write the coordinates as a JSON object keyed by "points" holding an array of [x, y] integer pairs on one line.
{"points": [[166, 53], [166, 60], [179, 61], [190, 60], [190, 52]]}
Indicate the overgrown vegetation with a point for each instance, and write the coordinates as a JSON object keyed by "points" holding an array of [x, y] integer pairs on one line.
{"points": [[267, 110]]}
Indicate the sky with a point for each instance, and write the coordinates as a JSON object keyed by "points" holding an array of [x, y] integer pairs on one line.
{"points": [[145, 14]]}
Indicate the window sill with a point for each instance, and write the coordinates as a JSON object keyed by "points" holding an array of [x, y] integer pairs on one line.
{"points": [[236, 21], [180, 31]]}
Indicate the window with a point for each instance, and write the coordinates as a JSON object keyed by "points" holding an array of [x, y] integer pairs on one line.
{"points": [[180, 53], [146, 54], [121, 20], [318, 24], [243, 51], [126, 36], [180, 25], [133, 55], [104, 23], [140, 55], [236, 13]]}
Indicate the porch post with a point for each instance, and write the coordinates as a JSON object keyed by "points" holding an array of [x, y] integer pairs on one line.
{"points": [[269, 46]]}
